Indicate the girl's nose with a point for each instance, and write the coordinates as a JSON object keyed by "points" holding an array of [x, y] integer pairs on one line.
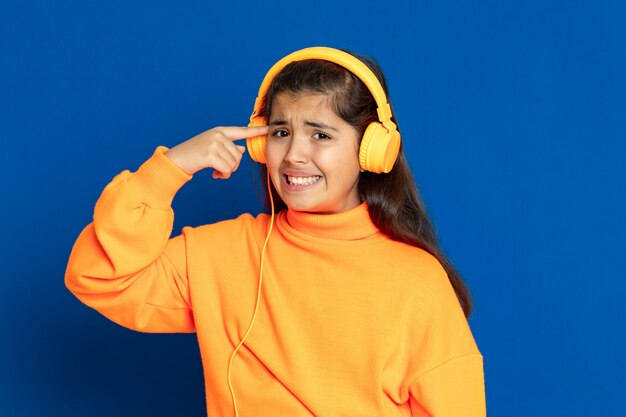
{"points": [[298, 151]]}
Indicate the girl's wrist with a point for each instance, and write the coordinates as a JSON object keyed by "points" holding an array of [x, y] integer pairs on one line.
{"points": [[174, 157]]}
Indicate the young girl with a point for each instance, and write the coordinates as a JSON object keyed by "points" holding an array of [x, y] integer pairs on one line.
{"points": [[341, 304]]}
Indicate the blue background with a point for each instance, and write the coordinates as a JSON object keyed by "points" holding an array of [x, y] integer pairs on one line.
{"points": [[513, 115]]}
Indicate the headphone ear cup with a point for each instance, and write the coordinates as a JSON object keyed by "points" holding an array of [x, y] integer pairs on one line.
{"points": [[256, 144], [379, 148]]}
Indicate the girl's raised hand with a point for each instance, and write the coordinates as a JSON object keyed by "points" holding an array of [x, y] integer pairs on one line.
{"points": [[214, 148]]}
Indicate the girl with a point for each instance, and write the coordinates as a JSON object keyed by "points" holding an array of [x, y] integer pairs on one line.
{"points": [[340, 305]]}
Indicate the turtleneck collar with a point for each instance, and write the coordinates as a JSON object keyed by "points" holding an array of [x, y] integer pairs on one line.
{"points": [[354, 224]]}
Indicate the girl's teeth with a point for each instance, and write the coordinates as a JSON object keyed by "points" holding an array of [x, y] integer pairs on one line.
{"points": [[303, 180]]}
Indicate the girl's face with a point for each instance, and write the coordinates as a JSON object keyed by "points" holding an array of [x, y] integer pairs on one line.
{"points": [[312, 154]]}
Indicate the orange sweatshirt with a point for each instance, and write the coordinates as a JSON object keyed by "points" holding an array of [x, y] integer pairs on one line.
{"points": [[350, 323]]}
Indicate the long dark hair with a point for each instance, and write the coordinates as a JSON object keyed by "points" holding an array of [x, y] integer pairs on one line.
{"points": [[393, 199]]}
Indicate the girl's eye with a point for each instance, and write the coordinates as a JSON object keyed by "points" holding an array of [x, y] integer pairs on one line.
{"points": [[280, 133], [321, 136]]}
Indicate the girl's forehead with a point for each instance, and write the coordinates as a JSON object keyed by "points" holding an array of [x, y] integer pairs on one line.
{"points": [[307, 104], [287, 97]]}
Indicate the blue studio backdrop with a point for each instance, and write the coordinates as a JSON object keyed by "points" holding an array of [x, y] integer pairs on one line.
{"points": [[513, 116]]}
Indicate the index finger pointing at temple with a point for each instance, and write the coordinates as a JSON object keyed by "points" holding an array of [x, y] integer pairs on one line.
{"points": [[241, 132]]}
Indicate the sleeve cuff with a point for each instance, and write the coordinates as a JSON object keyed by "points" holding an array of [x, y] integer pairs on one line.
{"points": [[455, 388], [159, 179]]}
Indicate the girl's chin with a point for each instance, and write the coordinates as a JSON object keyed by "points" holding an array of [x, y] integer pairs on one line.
{"points": [[317, 208], [301, 206]]}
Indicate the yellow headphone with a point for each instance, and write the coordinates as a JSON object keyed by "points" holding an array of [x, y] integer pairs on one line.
{"points": [[381, 140]]}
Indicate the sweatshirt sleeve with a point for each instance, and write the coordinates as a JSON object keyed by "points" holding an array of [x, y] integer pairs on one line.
{"points": [[124, 264], [453, 389], [447, 379]]}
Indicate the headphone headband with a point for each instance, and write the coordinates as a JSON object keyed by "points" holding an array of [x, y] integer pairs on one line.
{"points": [[339, 57]]}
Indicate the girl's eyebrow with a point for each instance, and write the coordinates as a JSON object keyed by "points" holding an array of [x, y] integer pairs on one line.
{"points": [[318, 125], [278, 122]]}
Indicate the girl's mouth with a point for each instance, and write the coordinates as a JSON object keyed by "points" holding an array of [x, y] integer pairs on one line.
{"points": [[302, 180]]}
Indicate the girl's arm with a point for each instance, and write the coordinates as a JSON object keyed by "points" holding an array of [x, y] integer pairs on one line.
{"points": [[124, 263], [446, 377], [453, 389]]}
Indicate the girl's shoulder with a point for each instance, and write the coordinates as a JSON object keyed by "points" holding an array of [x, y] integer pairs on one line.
{"points": [[412, 256], [237, 228], [425, 269]]}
